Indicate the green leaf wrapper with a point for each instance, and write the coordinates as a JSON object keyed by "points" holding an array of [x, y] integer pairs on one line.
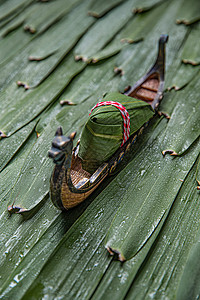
{"points": [[103, 132]]}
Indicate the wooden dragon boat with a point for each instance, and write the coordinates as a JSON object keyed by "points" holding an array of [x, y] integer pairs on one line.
{"points": [[70, 183]]}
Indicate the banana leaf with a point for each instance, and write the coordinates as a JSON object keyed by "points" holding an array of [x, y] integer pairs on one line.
{"points": [[191, 50], [133, 58], [103, 132], [189, 286], [11, 7], [61, 255], [11, 145], [99, 8], [179, 136], [189, 12], [95, 40]]}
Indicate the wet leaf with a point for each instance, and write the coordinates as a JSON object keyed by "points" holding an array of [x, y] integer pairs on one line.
{"points": [[150, 199], [190, 53], [10, 146], [46, 253], [144, 5], [33, 180], [134, 31], [44, 14], [131, 230], [189, 13], [10, 45], [189, 287], [98, 8], [183, 127], [165, 14], [11, 7], [24, 273], [160, 276], [180, 75], [59, 43], [84, 240], [33, 103], [95, 40]]}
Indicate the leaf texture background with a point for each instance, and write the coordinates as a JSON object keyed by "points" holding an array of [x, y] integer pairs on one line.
{"points": [[78, 51]]}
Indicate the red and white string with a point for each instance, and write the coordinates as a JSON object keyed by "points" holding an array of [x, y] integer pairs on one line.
{"points": [[125, 116]]}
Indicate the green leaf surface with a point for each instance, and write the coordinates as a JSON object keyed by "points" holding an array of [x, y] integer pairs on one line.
{"points": [[189, 285], [32, 184], [10, 7], [10, 45], [35, 19], [54, 44], [42, 15], [33, 103], [90, 83], [139, 26], [184, 69], [151, 199], [134, 31], [84, 243], [180, 75], [11, 172], [11, 26], [189, 12], [160, 276], [128, 233], [183, 127], [144, 5], [190, 53], [132, 69], [98, 8], [95, 40], [141, 277], [9, 96], [24, 273], [10, 146], [15, 245], [7, 20], [44, 230]]}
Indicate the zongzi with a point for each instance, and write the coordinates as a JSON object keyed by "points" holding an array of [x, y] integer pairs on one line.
{"points": [[104, 131]]}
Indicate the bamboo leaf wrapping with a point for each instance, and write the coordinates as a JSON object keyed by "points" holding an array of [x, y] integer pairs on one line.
{"points": [[103, 132]]}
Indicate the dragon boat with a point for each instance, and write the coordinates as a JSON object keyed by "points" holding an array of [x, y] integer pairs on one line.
{"points": [[77, 172]]}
